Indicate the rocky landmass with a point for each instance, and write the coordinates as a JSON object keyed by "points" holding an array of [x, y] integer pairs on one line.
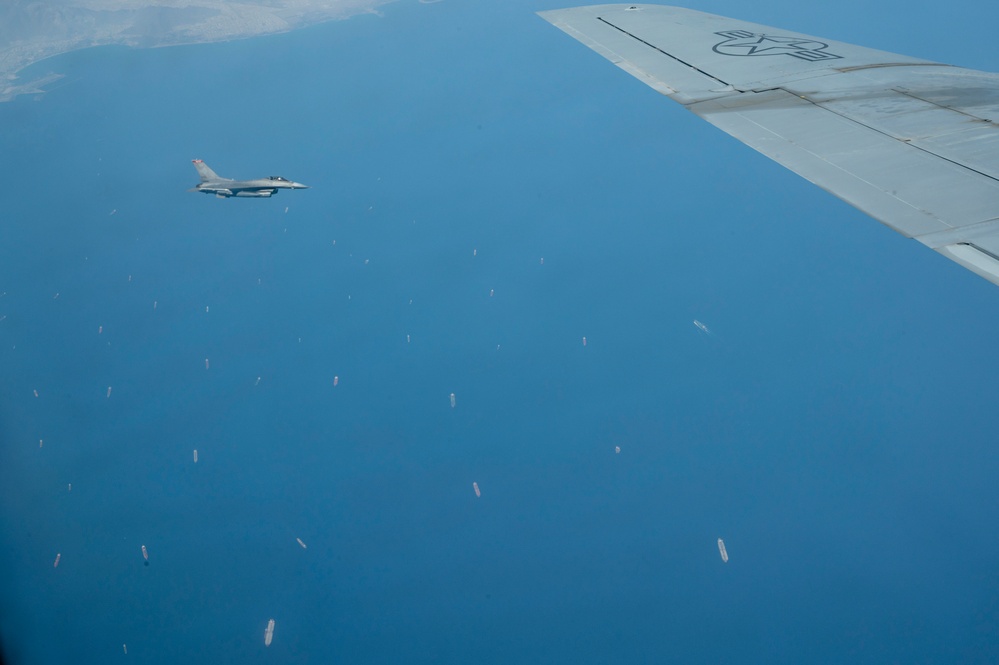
{"points": [[32, 30]]}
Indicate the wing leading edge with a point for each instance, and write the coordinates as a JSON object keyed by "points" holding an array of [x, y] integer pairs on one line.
{"points": [[910, 142]]}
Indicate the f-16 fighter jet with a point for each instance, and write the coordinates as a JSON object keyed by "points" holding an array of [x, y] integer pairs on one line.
{"points": [[212, 183]]}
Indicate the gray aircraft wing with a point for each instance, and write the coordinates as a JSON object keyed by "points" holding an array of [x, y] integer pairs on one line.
{"points": [[912, 143]]}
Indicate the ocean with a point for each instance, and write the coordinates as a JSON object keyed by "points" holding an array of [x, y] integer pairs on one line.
{"points": [[494, 213]]}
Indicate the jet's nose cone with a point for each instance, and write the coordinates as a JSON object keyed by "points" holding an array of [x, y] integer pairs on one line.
{"points": [[298, 185]]}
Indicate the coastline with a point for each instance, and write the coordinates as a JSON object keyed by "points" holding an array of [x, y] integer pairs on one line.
{"points": [[55, 31]]}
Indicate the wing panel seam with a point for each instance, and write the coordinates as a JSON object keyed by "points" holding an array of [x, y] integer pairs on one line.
{"points": [[668, 55], [895, 138], [836, 166], [912, 95]]}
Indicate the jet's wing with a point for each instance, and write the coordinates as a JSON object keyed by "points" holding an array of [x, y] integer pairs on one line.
{"points": [[911, 143]]}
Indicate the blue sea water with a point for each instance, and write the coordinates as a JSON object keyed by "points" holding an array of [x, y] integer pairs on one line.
{"points": [[486, 193]]}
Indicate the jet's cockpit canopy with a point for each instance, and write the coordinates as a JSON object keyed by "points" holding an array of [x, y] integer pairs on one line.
{"points": [[278, 178]]}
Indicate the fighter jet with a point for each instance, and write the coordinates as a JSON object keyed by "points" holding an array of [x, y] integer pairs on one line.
{"points": [[223, 188]]}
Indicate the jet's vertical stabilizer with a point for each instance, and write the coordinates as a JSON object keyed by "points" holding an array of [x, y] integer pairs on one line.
{"points": [[206, 173]]}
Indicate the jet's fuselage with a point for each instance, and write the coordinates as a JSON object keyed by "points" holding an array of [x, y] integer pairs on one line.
{"points": [[211, 183]]}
